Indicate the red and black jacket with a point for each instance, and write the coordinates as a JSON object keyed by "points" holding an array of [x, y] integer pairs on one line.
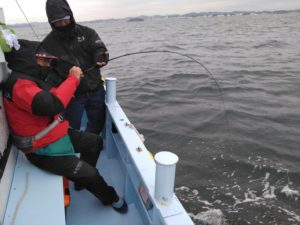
{"points": [[30, 107], [32, 104]]}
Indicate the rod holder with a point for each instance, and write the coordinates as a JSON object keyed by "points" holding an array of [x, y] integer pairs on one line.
{"points": [[165, 176], [110, 89]]}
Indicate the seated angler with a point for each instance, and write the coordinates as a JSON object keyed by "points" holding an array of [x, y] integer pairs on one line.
{"points": [[34, 110]]}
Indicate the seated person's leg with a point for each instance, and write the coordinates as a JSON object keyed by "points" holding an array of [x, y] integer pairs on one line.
{"points": [[87, 144], [77, 171]]}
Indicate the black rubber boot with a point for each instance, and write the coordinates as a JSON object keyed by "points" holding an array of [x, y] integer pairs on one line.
{"points": [[78, 187], [120, 206]]}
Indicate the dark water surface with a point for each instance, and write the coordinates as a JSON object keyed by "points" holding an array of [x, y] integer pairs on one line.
{"points": [[239, 162]]}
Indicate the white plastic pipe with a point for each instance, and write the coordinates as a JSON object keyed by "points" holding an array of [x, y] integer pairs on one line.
{"points": [[165, 176], [110, 89], [2, 20]]}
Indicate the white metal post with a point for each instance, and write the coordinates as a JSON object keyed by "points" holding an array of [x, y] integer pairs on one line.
{"points": [[165, 176], [110, 90]]}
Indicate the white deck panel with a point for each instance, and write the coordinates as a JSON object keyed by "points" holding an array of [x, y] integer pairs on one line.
{"points": [[36, 197]]}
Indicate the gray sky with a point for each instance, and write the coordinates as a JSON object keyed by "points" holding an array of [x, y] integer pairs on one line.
{"points": [[104, 9]]}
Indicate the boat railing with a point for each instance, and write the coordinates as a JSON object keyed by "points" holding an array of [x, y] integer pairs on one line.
{"points": [[139, 166]]}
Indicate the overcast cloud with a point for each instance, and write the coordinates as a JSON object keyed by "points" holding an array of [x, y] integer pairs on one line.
{"points": [[105, 9]]}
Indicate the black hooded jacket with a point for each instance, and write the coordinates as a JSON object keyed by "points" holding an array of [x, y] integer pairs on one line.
{"points": [[24, 67], [80, 46]]}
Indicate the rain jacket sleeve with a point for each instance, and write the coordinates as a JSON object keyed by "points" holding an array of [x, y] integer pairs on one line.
{"points": [[28, 96], [98, 47]]}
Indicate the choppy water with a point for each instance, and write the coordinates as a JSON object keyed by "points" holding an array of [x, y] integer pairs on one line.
{"points": [[239, 163]]}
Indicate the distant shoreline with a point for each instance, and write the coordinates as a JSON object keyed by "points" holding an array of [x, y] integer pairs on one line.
{"points": [[192, 14]]}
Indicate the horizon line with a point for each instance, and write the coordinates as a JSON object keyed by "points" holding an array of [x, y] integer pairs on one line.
{"points": [[173, 14]]}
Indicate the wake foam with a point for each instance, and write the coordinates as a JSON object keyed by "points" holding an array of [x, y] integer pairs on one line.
{"points": [[210, 217]]}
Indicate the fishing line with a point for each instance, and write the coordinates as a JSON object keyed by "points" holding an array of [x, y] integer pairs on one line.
{"points": [[181, 54], [37, 37]]}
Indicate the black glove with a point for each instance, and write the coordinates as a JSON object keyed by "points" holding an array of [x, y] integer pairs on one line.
{"points": [[61, 67], [103, 59]]}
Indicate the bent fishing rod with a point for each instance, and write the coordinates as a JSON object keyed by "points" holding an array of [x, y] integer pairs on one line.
{"points": [[211, 76]]}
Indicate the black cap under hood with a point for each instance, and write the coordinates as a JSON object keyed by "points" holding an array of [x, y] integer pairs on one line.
{"points": [[23, 60], [57, 9]]}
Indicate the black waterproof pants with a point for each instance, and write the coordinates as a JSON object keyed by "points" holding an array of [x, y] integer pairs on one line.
{"points": [[81, 171]]}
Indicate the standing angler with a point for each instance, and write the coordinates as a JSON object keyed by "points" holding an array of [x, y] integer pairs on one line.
{"points": [[82, 47]]}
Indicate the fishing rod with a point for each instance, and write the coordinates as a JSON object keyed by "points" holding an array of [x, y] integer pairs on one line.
{"points": [[176, 53], [37, 37], [211, 76]]}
